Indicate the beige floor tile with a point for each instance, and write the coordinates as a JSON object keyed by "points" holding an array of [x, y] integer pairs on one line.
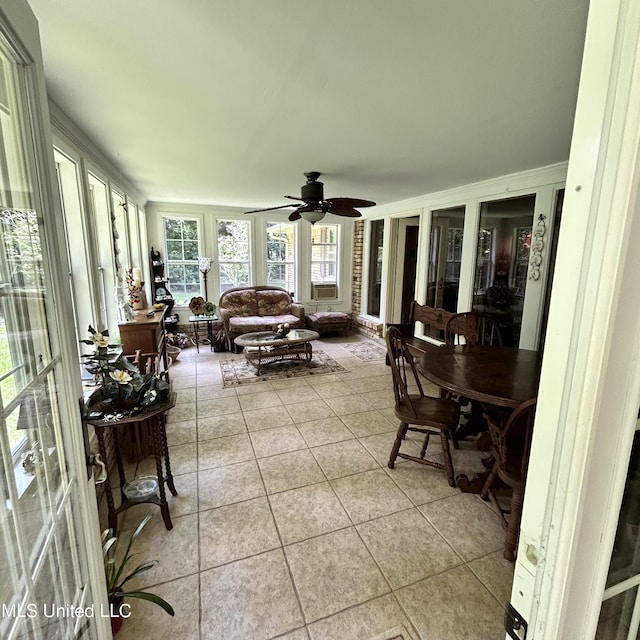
{"points": [[344, 405], [367, 423], [377, 383], [465, 609], [333, 572], [297, 394], [379, 446], [229, 484], [261, 400], [380, 399], [290, 471], [267, 418], [183, 459], [496, 574], [176, 550], [481, 533], [217, 406], [361, 622], [369, 495], [208, 379], [222, 451], [308, 511], [182, 413], [254, 387], [343, 458], [181, 432], [269, 442], [236, 531], [298, 634], [149, 621], [305, 411], [333, 389], [407, 548], [252, 598], [186, 396], [324, 431], [290, 383], [182, 381], [218, 426], [420, 482]]}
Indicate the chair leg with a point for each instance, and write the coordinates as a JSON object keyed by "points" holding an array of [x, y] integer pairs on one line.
{"points": [[425, 445], [448, 464], [488, 483], [454, 439], [513, 527], [402, 432]]}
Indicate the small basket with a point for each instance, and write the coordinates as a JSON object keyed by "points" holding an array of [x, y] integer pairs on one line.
{"points": [[173, 352]]}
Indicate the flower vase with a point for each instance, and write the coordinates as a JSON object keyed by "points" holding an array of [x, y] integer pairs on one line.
{"points": [[135, 299]]}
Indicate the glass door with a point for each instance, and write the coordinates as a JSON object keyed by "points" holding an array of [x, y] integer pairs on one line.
{"points": [[45, 516]]}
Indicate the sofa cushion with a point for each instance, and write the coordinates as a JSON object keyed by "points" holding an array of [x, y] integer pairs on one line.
{"points": [[249, 324], [273, 303], [241, 303]]}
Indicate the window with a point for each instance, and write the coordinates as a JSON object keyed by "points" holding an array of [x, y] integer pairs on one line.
{"points": [[281, 253], [375, 268], [233, 253], [485, 260], [445, 258], [324, 254], [181, 241]]}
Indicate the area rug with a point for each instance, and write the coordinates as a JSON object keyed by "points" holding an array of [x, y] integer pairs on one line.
{"points": [[397, 633], [365, 349], [237, 370]]}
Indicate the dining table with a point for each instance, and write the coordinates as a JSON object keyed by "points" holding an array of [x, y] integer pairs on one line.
{"points": [[493, 376]]}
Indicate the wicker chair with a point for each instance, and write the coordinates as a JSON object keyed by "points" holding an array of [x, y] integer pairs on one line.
{"points": [[417, 412], [510, 445]]}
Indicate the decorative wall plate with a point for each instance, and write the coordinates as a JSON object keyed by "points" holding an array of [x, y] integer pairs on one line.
{"points": [[196, 305]]}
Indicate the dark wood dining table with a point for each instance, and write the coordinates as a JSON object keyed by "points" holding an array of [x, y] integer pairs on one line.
{"points": [[498, 376]]}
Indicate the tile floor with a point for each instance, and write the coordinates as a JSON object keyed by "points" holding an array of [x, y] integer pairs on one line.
{"points": [[288, 523]]}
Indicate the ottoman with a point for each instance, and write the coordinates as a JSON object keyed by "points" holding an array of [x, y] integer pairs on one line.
{"points": [[327, 321]]}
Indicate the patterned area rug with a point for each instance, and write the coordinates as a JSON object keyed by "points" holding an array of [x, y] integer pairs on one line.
{"points": [[366, 349], [238, 371]]}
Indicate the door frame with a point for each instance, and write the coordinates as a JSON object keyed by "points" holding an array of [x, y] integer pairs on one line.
{"points": [[590, 382], [22, 29]]}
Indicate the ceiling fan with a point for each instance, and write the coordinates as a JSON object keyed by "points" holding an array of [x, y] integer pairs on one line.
{"points": [[313, 206]]}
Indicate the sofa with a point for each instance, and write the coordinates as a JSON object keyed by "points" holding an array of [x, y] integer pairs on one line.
{"points": [[249, 309]]}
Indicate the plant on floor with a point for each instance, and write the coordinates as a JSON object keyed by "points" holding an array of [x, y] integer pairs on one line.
{"points": [[118, 573]]}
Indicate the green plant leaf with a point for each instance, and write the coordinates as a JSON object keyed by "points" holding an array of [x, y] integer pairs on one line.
{"points": [[139, 570], [132, 539], [151, 597]]}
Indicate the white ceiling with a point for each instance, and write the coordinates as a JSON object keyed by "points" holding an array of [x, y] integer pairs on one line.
{"points": [[229, 101]]}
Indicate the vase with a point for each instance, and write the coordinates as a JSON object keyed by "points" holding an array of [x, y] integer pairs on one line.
{"points": [[116, 618]]}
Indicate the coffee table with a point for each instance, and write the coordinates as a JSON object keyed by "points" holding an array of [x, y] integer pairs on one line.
{"points": [[263, 347]]}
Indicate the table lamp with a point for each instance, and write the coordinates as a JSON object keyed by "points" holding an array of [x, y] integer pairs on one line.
{"points": [[204, 264]]}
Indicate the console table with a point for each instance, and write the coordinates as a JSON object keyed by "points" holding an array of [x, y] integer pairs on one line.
{"points": [[154, 419], [145, 333]]}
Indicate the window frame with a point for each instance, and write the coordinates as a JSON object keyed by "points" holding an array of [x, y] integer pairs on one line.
{"points": [[168, 262], [222, 262], [287, 264], [336, 262]]}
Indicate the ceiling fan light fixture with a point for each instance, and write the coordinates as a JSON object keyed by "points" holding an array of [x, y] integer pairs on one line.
{"points": [[313, 216]]}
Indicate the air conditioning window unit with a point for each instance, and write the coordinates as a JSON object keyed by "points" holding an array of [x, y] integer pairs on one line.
{"points": [[324, 291]]}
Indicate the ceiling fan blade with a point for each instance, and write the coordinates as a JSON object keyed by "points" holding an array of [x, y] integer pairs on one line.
{"points": [[282, 206], [295, 198], [351, 202], [348, 212], [295, 216]]}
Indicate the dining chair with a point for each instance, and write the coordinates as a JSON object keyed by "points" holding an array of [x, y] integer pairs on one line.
{"points": [[474, 328], [416, 411], [510, 445]]}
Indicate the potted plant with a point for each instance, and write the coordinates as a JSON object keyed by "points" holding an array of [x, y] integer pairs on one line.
{"points": [[118, 574]]}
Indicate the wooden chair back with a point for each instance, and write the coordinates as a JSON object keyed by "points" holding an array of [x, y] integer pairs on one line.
{"points": [[403, 371], [474, 328]]}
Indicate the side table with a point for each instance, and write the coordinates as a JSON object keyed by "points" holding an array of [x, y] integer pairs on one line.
{"points": [[154, 418], [210, 321]]}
